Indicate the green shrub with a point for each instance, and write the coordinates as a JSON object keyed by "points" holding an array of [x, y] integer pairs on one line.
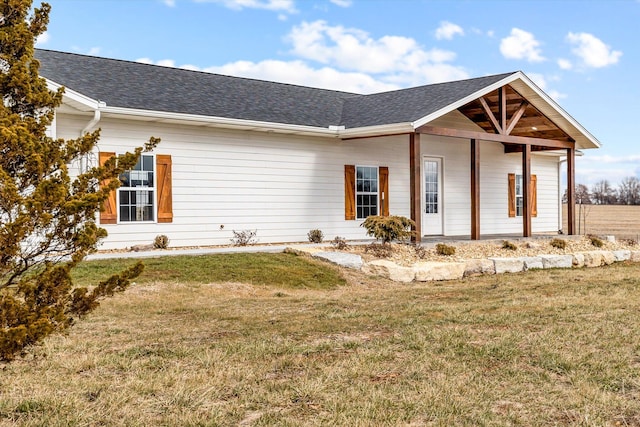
{"points": [[596, 241], [443, 249], [509, 245], [379, 250], [559, 243], [161, 242], [339, 243], [315, 236], [388, 228]]}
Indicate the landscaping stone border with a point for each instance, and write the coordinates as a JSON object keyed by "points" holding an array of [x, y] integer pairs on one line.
{"points": [[438, 271]]}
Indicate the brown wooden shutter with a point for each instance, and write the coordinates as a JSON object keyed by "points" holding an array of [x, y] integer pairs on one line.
{"points": [[109, 210], [349, 192], [383, 172], [163, 183], [534, 195], [512, 195]]}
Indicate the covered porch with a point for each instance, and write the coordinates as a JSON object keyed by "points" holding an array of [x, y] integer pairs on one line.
{"points": [[505, 116]]}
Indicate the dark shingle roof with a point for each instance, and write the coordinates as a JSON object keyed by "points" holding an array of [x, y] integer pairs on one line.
{"points": [[409, 105], [149, 87]]}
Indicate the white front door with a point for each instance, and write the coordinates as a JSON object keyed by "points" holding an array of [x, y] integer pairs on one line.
{"points": [[432, 196]]}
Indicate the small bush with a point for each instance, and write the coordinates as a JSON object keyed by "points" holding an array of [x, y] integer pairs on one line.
{"points": [[596, 241], [509, 245], [421, 251], [629, 242], [315, 236], [161, 242], [244, 237], [339, 243], [388, 228], [443, 249], [559, 243], [379, 250]]}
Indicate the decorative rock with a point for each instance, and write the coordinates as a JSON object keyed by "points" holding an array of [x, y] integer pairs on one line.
{"points": [[532, 263], [608, 258], [635, 256], [390, 270], [141, 248], [428, 271], [622, 255], [578, 260], [476, 267], [593, 259], [341, 258], [532, 245], [558, 261], [508, 265], [611, 239]]}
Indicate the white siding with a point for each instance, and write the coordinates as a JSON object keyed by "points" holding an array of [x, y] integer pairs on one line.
{"points": [[495, 166], [282, 186]]}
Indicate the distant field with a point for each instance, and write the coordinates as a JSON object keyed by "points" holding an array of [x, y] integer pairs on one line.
{"points": [[616, 220]]}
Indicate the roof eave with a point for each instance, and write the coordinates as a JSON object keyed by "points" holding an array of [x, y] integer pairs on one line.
{"points": [[378, 130], [221, 122], [75, 99]]}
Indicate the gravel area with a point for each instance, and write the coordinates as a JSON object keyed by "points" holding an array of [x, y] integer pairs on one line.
{"points": [[406, 254]]}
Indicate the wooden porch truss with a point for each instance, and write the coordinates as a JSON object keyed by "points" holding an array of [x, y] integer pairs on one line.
{"points": [[508, 118]]}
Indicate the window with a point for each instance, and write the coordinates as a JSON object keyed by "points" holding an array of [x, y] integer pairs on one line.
{"points": [[431, 187], [366, 191], [137, 191], [519, 200]]}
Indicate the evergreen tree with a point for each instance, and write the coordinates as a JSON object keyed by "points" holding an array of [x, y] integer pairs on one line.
{"points": [[47, 216]]}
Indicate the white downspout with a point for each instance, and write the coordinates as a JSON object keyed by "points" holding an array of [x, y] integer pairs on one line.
{"points": [[84, 161]]}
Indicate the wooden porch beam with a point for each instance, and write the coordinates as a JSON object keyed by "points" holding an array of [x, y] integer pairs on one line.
{"points": [[526, 191], [516, 117], [415, 161], [507, 139], [489, 113], [571, 188], [502, 108], [475, 190]]}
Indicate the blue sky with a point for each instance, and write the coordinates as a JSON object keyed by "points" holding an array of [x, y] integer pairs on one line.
{"points": [[584, 54]]}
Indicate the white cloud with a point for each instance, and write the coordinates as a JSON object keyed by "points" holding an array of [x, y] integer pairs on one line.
{"points": [[342, 3], [593, 168], [521, 45], [170, 3], [349, 60], [593, 51], [565, 64], [273, 5], [448, 30], [43, 39], [395, 58]]}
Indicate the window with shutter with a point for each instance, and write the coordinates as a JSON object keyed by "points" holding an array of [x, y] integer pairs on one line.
{"points": [[515, 192], [366, 191]]}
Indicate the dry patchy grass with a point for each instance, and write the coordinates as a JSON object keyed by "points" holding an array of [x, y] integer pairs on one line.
{"points": [[550, 347]]}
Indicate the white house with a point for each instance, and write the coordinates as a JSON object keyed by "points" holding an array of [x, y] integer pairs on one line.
{"points": [[466, 158]]}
